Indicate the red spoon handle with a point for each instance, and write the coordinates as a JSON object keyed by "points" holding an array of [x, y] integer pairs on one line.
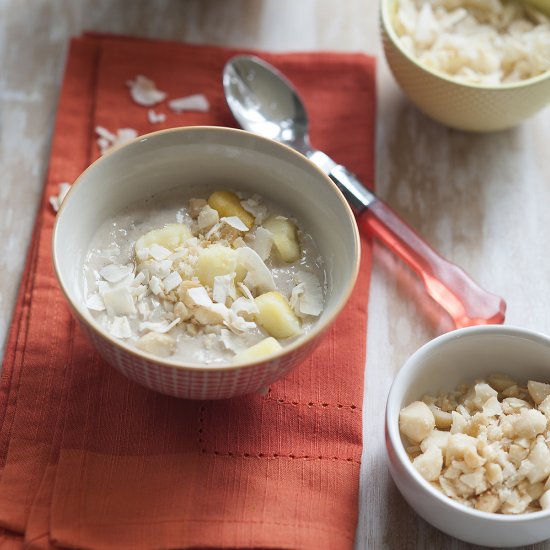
{"points": [[465, 301]]}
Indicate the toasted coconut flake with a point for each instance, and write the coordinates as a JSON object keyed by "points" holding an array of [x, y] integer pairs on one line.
{"points": [[310, 299], [144, 91], [262, 242], [207, 217], [237, 324], [114, 273], [196, 102], [244, 305], [223, 288], [258, 274], [63, 189], [160, 326], [199, 297], [158, 252], [123, 135], [155, 118], [172, 281], [254, 207], [235, 222], [119, 301], [95, 302], [120, 328]]}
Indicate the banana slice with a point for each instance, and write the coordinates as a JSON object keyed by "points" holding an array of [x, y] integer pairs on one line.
{"points": [[285, 237], [259, 351], [276, 317], [169, 237]]}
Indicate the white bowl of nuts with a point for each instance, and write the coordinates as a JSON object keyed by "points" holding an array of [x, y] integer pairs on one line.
{"points": [[468, 434], [204, 262]]}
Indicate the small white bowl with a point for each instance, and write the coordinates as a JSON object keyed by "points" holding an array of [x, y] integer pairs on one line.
{"points": [[463, 356], [198, 159]]}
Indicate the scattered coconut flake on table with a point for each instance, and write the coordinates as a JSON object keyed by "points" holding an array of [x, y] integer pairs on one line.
{"points": [[106, 139], [196, 102], [144, 91], [489, 42], [155, 118], [56, 201]]}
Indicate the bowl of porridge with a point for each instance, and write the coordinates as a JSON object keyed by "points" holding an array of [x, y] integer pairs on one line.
{"points": [[472, 65], [205, 263], [468, 432]]}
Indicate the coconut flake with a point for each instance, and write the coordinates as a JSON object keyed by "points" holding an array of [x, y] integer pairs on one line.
{"points": [[262, 242], [223, 288], [160, 326], [207, 217], [155, 118], [158, 252], [155, 284], [95, 302], [120, 328], [309, 300], [199, 297], [172, 281], [237, 324], [244, 305], [258, 275], [259, 211], [196, 102], [235, 222], [55, 201], [144, 91], [228, 341], [114, 273], [119, 301], [123, 135]]}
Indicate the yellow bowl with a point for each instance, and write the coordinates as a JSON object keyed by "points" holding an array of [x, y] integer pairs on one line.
{"points": [[473, 107]]}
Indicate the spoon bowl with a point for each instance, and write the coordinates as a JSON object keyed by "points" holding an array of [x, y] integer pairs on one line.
{"points": [[264, 102]]}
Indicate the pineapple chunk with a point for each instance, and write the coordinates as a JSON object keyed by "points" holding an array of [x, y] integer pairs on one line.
{"points": [[259, 351], [275, 315], [285, 237], [228, 204], [214, 261], [169, 237]]}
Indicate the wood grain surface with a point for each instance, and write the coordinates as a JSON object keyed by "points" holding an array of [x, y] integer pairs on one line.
{"points": [[482, 200]]}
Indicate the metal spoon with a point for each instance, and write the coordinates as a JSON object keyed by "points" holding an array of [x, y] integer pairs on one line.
{"points": [[264, 102]]}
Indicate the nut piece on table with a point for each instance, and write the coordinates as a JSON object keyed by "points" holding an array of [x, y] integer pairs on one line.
{"points": [[416, 421], [285, 237], [228, 204], [276, 317], [259, 351]]}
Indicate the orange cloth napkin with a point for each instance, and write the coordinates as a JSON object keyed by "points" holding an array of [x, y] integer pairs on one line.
{"points": [[89, 459]]}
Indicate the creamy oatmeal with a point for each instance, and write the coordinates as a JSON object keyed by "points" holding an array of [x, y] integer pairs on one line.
{"points": [[209, 279]]}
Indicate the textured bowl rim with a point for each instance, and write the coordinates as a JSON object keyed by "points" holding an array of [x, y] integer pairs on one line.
{"points": [[318, 328], [393, 407], [390, 31]]}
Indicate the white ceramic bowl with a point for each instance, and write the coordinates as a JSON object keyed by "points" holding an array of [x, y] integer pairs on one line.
{"points": [[205, 158], [463, 356], [473, 107]]}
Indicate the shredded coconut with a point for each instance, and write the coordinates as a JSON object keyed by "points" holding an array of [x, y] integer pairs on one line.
{"points": [[155, 118], [488, 42], [196, 102], [144, 91], [107, 140]]}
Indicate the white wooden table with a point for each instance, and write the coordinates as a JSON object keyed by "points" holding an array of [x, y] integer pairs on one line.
{"points": [[483, 201]]}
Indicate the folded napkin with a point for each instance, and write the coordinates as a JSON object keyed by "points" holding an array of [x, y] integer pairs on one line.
{"points": [[89, 459]]}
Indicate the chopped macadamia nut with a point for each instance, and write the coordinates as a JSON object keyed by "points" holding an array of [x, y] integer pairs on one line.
{"points": [[416, 421], [494, 444], [429, 464]]}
